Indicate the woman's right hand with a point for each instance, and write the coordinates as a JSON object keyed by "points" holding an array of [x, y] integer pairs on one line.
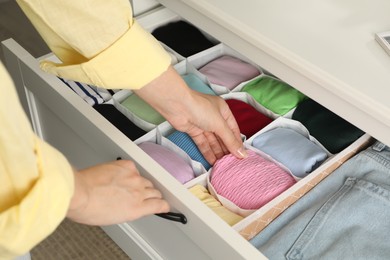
{"points": [[113, 193]]}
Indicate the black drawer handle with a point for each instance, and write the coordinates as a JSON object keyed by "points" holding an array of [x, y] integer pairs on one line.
{"points": [[178, 217]]}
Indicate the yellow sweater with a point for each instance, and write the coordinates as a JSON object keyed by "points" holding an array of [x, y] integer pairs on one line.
{"points": [[99, 43]]}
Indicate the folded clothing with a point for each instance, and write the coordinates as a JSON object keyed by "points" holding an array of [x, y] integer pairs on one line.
{"points": [[185, 142], [249, 183], [274, 94], [228, 71], [295, 151], [91, 94], [120, 121], [169, 160], [340, 218], [249, 120], [143, 110], [195, 83], [332, 131], [182, 37], [203, 194]]}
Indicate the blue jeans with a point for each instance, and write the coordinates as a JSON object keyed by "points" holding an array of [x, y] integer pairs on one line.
{"points": [[346, 216]]}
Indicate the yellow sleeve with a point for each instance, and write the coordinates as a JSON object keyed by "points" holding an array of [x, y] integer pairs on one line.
{"points": [[36, 180], [98, 42]]}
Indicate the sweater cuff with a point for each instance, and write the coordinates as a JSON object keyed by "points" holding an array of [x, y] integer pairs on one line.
{"points": [[131, 62], [43, 208]]}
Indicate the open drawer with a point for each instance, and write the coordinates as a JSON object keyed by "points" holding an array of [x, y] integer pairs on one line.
{"points": [[63, 119], [67, 122]]}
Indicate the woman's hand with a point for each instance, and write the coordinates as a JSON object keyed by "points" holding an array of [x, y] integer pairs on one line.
{"points": [[207, 119], [113, 193]]}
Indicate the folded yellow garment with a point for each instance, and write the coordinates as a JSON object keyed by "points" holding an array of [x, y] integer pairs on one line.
{"points": [[203, 194]]}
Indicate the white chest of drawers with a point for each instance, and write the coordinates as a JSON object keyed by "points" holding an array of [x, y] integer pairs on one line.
{"points": [[324, 49]]}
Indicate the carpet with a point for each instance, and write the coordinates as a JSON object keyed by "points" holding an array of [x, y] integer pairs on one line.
{"points": [[76, 241]]}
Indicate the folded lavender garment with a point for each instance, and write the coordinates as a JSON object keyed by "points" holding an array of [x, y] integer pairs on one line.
{"points": [[170, 161], [228, 71]]}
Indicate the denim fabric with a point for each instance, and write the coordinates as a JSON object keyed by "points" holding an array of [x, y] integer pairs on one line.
{"points": [[346, 216]]}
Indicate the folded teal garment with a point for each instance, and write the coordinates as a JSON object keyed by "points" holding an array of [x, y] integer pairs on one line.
{"points": [[295, 151], [332, 131], [197, 84], [142, 109], [185, 142], [274, 94]]}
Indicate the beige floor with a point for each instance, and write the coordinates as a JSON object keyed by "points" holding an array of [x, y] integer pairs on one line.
{"points": [[70, 240]]}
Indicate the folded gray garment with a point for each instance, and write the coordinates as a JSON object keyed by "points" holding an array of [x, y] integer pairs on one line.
{"points": [[295, 151]]}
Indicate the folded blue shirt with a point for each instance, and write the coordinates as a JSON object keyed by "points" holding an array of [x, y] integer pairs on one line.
{"points": [[295, 151]]}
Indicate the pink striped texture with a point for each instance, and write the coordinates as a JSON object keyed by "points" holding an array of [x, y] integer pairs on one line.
{"points": [[249, 183]]}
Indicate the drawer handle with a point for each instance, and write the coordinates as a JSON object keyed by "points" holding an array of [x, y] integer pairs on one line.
{"points": [[178, 217]]}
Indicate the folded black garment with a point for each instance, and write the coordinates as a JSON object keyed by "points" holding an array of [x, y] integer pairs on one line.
{"points": [[182, 37], [332, 131], [120, 121]]}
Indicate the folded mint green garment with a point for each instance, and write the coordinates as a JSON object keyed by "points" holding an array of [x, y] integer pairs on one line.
{"points": [[142, 109], [197, 84], [295, 151], [274, 94]]}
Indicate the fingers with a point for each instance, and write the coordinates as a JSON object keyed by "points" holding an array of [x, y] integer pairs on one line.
{"points": [[234, 145], [225, 150], [146, 199], [204, 147], [229, 133], [115, 187], [216, 146], [150, 199], [223, 136], [155, 206], [211, 146], [153, 202]]}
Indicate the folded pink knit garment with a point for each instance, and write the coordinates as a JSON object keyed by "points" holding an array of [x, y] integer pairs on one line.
{"points": [[249, 183]]}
